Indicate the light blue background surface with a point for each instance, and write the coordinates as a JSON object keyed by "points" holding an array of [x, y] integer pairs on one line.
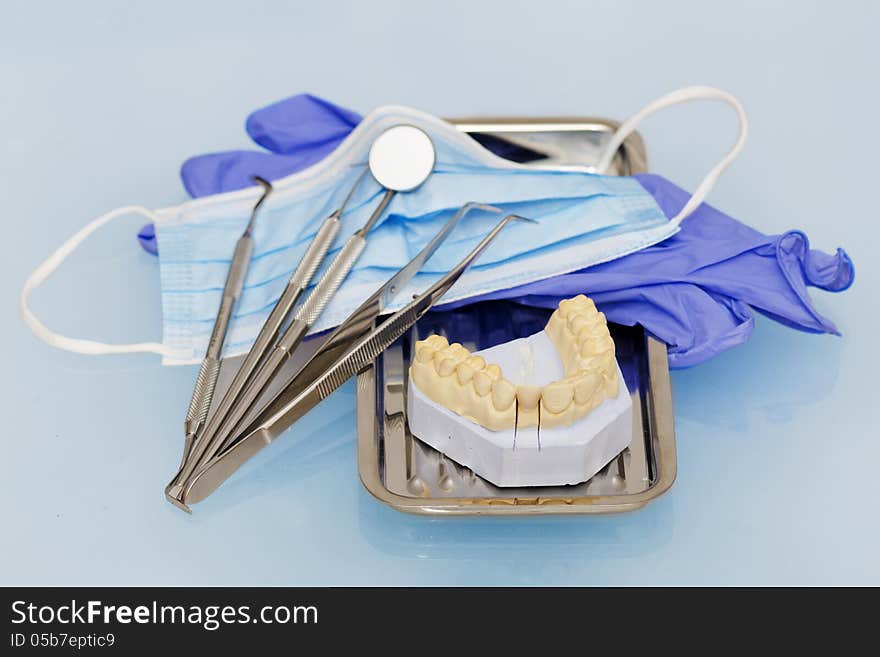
{"points": [[777, 440]]}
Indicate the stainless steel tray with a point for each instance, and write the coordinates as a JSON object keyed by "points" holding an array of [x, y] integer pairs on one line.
{"points": [[410, 476]]}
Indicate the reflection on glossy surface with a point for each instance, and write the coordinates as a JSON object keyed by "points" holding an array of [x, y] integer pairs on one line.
{"points": [[804, 371], [320, 439], [528, 542]]}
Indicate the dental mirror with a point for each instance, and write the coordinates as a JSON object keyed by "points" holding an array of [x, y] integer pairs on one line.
{"points": [[402, 158]]}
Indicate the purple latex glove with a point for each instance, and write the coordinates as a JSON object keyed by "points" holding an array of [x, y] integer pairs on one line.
{"points": [[696, 291]]}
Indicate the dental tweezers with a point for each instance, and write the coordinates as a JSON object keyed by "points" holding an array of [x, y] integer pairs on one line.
{"points": [[348, 349]]}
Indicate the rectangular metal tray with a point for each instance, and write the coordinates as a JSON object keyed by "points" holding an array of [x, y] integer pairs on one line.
{"points": [[410, 476]]}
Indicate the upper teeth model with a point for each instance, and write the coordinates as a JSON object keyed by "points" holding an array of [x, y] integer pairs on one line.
{"points": [[449, 375]]}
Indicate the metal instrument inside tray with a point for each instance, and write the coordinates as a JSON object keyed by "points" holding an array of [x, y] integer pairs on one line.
{"points": [[405, 473]]}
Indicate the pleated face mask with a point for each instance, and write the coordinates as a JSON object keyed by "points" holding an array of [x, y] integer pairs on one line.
{"points": [[582, 218]]}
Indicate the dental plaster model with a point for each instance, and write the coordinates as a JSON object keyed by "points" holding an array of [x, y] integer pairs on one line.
{"points": [[466, 384], [558, 416]]}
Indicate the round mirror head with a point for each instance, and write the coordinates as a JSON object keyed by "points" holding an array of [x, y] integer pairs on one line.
{"points": [[402, 158]]}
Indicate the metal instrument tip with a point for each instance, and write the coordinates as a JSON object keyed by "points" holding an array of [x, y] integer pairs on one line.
{"points": [[267, 189], [173, 493], [176, 502]]}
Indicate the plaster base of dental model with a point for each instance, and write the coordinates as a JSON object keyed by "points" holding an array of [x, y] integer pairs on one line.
{"points": [[546, 410]]}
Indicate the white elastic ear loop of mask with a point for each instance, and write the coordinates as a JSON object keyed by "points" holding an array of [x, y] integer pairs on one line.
{"points": [[675, 98], [51, 263]]}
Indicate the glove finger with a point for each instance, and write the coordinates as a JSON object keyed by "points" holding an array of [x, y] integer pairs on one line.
{"points": [[300, 124]]}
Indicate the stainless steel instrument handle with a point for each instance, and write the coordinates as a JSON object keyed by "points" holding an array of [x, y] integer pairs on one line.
{"points": [[295, 286], [356, 358], [202, 395], [232, 412], [307, 314], [227, 410], [315, 253], [220, 466], [241, 258], [218, 333], [232, 288], [250, 394], [331, 280], [227, 418]]}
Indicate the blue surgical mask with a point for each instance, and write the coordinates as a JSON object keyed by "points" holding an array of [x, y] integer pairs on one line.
{"points": [[582, 219]]}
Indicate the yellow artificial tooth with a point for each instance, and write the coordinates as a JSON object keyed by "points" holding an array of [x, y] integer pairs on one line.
{"points": [[602, 361], [585, 334], [606, 361], [477, 362], [587, 384], [465, 373], [586, 344], [566, 306], [445, 367], [528, 396], [557, 396], [454, 351], [596, 345], [612, 383], [595, 323], [577, 323], [482, 383], [443, 354], [610, 347], [425, 354], [494, 371], [585, 304], [503, 394], [436, 341]]}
